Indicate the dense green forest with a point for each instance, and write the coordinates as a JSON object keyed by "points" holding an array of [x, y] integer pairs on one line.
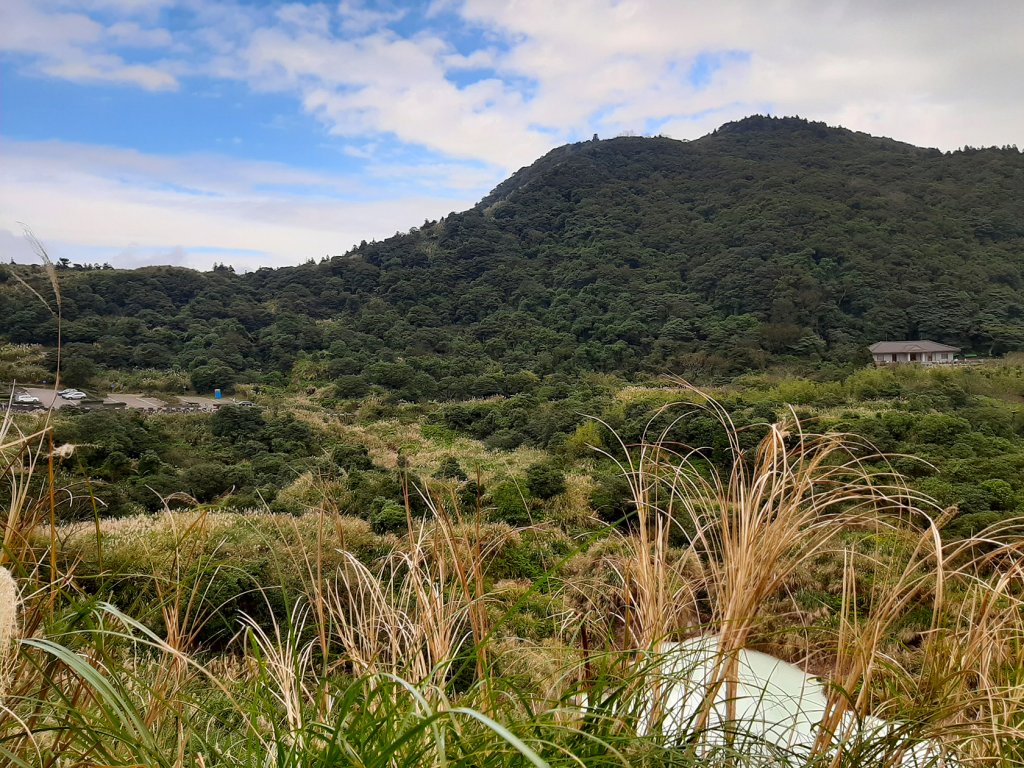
{"points": [[547, 456], [768, 240], [456, 473]]}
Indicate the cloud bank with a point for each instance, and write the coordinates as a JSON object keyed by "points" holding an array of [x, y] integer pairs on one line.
{"points": [[434, 102]]}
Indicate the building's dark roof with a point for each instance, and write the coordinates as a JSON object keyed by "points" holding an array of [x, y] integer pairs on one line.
{"points": [[895, 347]]}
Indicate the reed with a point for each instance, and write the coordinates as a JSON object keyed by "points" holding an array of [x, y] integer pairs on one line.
{"points": [[403, 662]]}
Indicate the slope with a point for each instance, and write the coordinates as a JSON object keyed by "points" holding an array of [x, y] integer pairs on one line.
{"points": [[767, 239]]}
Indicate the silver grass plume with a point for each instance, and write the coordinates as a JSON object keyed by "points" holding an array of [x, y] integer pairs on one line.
{"points": [[8, 624]]}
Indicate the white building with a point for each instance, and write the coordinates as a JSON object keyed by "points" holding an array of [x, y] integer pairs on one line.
{"points": [[924, 352]]}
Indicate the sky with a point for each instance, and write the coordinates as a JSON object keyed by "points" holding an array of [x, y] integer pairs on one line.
{"points": [[264, 133]]}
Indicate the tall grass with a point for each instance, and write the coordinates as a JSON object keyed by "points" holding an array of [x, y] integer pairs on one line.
{"points": [[406, 662]]}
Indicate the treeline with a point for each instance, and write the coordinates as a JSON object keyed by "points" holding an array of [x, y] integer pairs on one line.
{"points": [[957, 435], [769, 240]]}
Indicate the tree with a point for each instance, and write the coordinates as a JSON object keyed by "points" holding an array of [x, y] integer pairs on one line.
{"points": [[545, 480], [214, 375], [451, 469], [77, 371], [237, 423], [387, 516], [509, 505]]}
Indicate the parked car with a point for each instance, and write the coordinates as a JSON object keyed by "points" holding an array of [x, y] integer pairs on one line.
{"points": [[73, 395], [66, 391], [27, 400]]}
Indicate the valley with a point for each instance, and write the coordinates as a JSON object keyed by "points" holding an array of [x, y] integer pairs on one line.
{"points": [[469, 488]]}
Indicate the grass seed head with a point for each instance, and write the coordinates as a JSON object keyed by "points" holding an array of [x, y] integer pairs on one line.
{"points": [[8, 623]]}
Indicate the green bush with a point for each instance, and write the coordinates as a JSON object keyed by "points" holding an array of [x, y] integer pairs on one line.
{"points": [[938, 428], [611, 497], [509, 505], [387, 516], [545, 480], [213, 375], [451, 469]]}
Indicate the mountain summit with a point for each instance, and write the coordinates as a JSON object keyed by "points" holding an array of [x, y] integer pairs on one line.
{"points": [[768, 238]]}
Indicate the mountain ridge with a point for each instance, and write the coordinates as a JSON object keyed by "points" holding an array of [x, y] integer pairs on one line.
{"points": [[767, 239], [753, 124]]}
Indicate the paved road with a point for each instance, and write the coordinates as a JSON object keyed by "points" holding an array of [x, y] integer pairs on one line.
{"points": [[135, 401], [48, 398], [208, 403]]}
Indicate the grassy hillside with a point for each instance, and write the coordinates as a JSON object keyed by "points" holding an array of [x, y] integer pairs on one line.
{"points": [[435, 628], [769, 240], [540, 456]]}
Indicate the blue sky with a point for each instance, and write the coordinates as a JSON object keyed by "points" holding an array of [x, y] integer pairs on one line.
{"points": [[267, 133]]}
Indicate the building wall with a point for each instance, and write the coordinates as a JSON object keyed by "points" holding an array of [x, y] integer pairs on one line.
{"points": [[924, 358]]}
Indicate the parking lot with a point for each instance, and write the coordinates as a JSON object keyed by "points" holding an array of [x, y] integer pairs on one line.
{"points": [[135, 401], [48, 398]]}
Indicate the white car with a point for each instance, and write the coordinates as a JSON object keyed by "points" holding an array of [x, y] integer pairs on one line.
{"points": [[27, 400], [67, 391], [73, 395]]}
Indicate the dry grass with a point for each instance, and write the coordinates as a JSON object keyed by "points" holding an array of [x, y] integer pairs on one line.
{"points": [[773, 513], [9, 603], [757, 524], [386, 438]]}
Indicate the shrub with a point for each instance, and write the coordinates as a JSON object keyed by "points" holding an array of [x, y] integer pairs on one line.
{"points": [[505, 440], [77, 371], [387, 516], [611, 497], [509, 505], [939, 428], [351, 457], [451, 469], [545, 480], [237, 423], [214, 375], [583, 442]]}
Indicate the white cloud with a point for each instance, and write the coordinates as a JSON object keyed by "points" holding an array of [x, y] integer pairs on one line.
{"points": [[130, 34], [135, 8], [385, 83], [485, 86], [99, 68], [356, 18], [309, 18], [24, 28], [74, 46], [921, 72], [105, 204], [927, 72]]}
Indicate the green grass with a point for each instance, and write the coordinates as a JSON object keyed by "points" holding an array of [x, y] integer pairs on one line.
{"points": [[204, 638]]}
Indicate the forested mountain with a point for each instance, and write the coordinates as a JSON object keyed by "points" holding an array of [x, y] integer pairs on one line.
{"points": [[769, 238]]}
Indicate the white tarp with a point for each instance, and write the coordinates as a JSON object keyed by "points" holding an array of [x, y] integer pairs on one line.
{"points": [[777, 711]]}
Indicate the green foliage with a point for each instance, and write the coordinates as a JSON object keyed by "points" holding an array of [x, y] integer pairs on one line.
{"points": [[767, 241], [237, 423], [214, 375], [77, 371], [351, 457], [939, 428], [387, 516], [545, 480], [451, 469], [611, 497], [510, 506]]}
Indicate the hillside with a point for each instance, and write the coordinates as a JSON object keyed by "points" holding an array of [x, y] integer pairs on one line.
{"points": [[769, 239]]}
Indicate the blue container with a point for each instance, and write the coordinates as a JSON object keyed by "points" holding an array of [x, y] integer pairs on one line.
{"points": [[216, 394]]}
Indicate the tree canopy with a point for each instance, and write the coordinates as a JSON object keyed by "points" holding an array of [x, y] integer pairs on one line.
{"points": [[769, 239]]}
